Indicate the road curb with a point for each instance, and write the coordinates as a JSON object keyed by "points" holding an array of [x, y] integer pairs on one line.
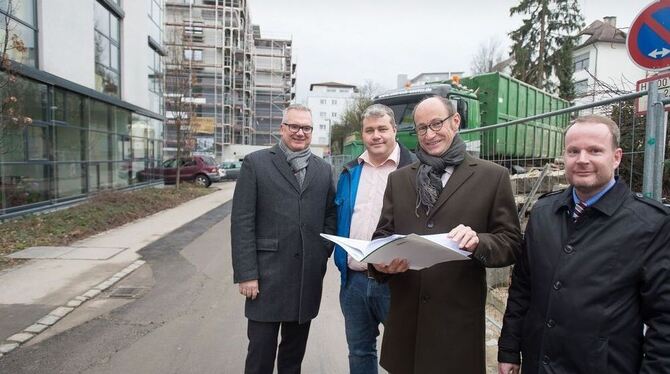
{"points": [[20, 338]]}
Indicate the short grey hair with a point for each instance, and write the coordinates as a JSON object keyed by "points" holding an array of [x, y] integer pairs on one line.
{"points": [[298, 107], [598, 119], [378, 111], [448, 104]]}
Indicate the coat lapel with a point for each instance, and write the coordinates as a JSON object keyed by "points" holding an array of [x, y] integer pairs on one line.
{"points": [[461, 173], [279, 159]]}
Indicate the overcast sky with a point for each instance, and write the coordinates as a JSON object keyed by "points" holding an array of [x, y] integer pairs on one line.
{"points": [[353, 41]]}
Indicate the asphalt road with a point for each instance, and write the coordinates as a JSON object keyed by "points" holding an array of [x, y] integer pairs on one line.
{"points": [[186, 317]]}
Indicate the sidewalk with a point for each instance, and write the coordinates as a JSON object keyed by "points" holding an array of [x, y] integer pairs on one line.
{"points": [[56, 280]]}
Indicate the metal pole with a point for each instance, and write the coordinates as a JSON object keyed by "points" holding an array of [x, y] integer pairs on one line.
{"points": [[661, 131], [654, 120]]}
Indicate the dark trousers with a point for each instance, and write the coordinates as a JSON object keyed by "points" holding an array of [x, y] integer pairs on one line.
{"points": [[263, 347]]}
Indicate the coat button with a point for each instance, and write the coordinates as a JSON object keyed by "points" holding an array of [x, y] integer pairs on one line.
{"points": [[430, 224], [545, 360], [551, 323], [558, 285], [568, 249]]}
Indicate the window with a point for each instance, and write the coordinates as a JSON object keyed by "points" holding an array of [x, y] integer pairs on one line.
{"points": [[333, 114], [21, 21], [581, 62], [331, 90], [107, 57], [581, 87], [323, 114], [155, 76], [194, 31], [334, 102], [193, 54], [323, 101], [156, 20], [322, 127], [343, 90]]}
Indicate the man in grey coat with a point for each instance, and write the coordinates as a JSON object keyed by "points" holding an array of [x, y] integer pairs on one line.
{"points": [[283, 199]]}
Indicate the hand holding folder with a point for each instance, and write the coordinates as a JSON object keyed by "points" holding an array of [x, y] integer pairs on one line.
{"points": [[421, 251]]}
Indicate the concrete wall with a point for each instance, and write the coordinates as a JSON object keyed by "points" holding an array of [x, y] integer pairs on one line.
{"points": [[236, 152], [135, 53], [66, 41], [67, 45]]}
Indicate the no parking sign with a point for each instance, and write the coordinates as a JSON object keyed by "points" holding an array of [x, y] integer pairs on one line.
{"points": [[649, 37]]}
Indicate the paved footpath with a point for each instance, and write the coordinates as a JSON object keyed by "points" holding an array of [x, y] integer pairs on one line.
{"points": [[50, 285]]}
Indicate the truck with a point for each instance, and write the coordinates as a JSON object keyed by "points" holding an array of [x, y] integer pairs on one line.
{"points": [[484, 100]]}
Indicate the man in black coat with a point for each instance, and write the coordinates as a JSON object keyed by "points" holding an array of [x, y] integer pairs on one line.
{"points": [[595, 268], [283, 199]]}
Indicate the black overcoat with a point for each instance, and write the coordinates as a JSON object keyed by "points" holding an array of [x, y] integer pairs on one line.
{"points": [[275, 227], [581, 292]]}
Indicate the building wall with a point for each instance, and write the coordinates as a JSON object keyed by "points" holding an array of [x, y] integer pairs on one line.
{"points": [[274, 86], [327, 105], [70, 141], [610, 64], [66, 43], [135, 53]]}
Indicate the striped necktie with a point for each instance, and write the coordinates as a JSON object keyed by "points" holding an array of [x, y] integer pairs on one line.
{"points": [[580, 207]]}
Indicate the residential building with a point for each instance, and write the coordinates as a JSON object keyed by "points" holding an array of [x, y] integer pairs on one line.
{"points": [[80, 105], [209, 75], [328, 101], [602, 66], [274, 84], [424, 78]]}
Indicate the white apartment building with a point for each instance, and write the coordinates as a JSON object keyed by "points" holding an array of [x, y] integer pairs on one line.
{"points": [[602, 66], [423, 78], [328, 101], [90, 84]]}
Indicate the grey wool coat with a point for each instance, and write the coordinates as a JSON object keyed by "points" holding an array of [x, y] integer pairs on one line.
{"points": [[275, 227], [436, 320]]}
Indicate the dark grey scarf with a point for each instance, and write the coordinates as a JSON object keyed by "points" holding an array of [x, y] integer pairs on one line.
{"points": [[297, 160], [429, 177]]}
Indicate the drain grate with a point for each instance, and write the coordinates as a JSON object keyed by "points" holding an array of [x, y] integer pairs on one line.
{"points": [[127, 292]]}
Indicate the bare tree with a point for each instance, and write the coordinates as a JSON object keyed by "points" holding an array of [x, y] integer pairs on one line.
{"points": [[179, 79], [12, 47], [488, 55], [350, 121]]}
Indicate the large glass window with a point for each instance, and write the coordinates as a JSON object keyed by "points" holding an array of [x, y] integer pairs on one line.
{"points": [[581, 62], [107, 59], [69, 180], [156, 18], [25, 184], [155, 75], [19, 16]]}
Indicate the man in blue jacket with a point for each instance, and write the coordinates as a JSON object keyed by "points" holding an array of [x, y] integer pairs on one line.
{"points": [[360, 193]]}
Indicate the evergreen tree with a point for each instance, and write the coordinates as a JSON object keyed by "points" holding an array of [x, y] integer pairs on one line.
{"points": [[544, 42]]}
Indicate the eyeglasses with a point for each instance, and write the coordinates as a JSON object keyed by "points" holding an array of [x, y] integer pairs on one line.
{"points": [[435, 126], [295, 128]]}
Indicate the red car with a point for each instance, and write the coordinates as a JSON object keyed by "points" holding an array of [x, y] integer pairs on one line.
{"points": [[202, 170]]}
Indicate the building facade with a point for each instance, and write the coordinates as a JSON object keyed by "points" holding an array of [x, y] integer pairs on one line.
{"points": [[81, 100], [274, 85], [209, 75], [602, 66], [328, 101], [424, 78]]}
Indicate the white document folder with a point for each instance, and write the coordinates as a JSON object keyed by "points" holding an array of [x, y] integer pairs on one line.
{"points": [[421, 251]]}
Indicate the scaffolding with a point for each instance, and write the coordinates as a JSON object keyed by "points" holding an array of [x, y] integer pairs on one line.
{"points": [[275, 85], [217, 40]]}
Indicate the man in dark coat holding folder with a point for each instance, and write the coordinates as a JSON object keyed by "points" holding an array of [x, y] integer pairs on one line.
{"points": [[283, 200], [436, 320]]}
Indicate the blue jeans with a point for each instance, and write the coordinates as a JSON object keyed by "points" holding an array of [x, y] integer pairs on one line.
{"points": [[365, 304]]}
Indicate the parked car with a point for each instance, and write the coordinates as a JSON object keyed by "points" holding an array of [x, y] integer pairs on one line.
{"points": [[230, 169], [202, 170]]}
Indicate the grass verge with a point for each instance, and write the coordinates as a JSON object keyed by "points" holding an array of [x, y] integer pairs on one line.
{"points": [[102, 212]]}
